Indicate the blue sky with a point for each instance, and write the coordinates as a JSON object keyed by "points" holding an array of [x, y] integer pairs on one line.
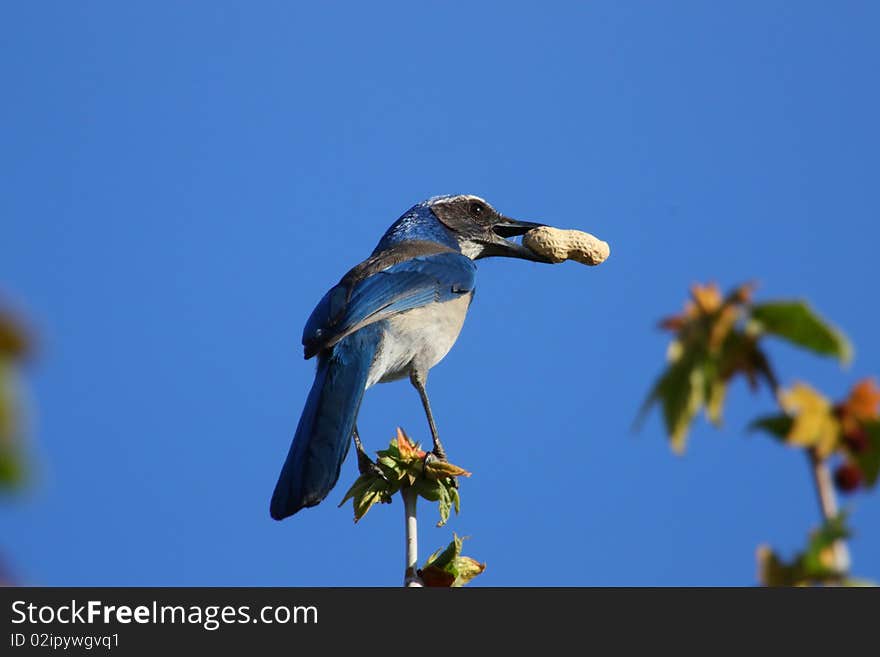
{"points": [[183, 182]]}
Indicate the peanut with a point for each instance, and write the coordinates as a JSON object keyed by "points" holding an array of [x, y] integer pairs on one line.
{"points": [[560, 245]]}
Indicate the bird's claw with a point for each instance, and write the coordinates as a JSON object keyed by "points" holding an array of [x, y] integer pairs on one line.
{"points": [[374, 470], [366, 466], [434, 456]]}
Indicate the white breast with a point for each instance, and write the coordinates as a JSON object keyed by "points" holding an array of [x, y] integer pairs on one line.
{"points": [[418, 339]]}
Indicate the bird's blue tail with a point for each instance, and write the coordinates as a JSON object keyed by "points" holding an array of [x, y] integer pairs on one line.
{"points": [[323, 435]]}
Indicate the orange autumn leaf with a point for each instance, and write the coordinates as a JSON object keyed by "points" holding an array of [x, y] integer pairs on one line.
{"points": [[707, 300], [407, 449], [863, 402], [707, 297]]}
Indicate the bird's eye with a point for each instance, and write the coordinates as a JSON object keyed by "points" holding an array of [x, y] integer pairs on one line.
{"points": [[477, 209]]}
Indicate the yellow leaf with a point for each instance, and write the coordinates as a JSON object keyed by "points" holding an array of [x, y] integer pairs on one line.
{"points": [[814, 423], [467, 569], [721, 327], [437, 469], [706, 297], [715, 404]]}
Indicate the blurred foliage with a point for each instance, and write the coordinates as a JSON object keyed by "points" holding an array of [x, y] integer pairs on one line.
{"points": [[814, 566], [447, 567], [717, 338], [796, 322], [812, 425], [404, 463], [849, 429], [15, 347]]}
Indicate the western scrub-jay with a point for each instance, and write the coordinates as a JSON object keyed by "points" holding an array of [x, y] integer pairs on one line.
{"points": [[395, 315]]}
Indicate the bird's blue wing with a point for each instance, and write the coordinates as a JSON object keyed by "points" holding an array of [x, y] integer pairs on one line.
{"points": [[415, 282]]}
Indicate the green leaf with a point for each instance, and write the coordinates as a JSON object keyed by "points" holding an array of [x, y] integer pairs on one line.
{"points": [[467, 569], [740, 354], [822, 540], [12, 473], [869, 460], [430, 490], [778, 426], [796, 322], [834, 529], [448, 567], [716, 392], [810, 567], [680, 391], [388, 465], [445, 504], [444, 557], [683, 400], [367, 490]]}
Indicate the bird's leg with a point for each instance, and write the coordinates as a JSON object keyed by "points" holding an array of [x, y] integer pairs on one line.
{"points": [[418, 380], [365, 463]]}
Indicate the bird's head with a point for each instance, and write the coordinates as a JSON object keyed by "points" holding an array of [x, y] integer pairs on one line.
{"points": [[480, 230]]}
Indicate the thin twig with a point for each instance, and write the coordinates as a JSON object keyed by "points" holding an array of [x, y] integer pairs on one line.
{"points": [[410, 500], [828, 505], [824, 488]]}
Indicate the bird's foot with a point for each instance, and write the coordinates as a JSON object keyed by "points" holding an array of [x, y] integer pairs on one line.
{"points": [[366, 465], [441, 456], [370, 468], [438, 452]]}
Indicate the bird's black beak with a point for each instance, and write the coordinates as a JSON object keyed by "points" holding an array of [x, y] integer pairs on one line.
{"points": [[500, 246]]}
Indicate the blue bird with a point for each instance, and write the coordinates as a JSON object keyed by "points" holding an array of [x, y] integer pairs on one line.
{"points": [[395, 315]]}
